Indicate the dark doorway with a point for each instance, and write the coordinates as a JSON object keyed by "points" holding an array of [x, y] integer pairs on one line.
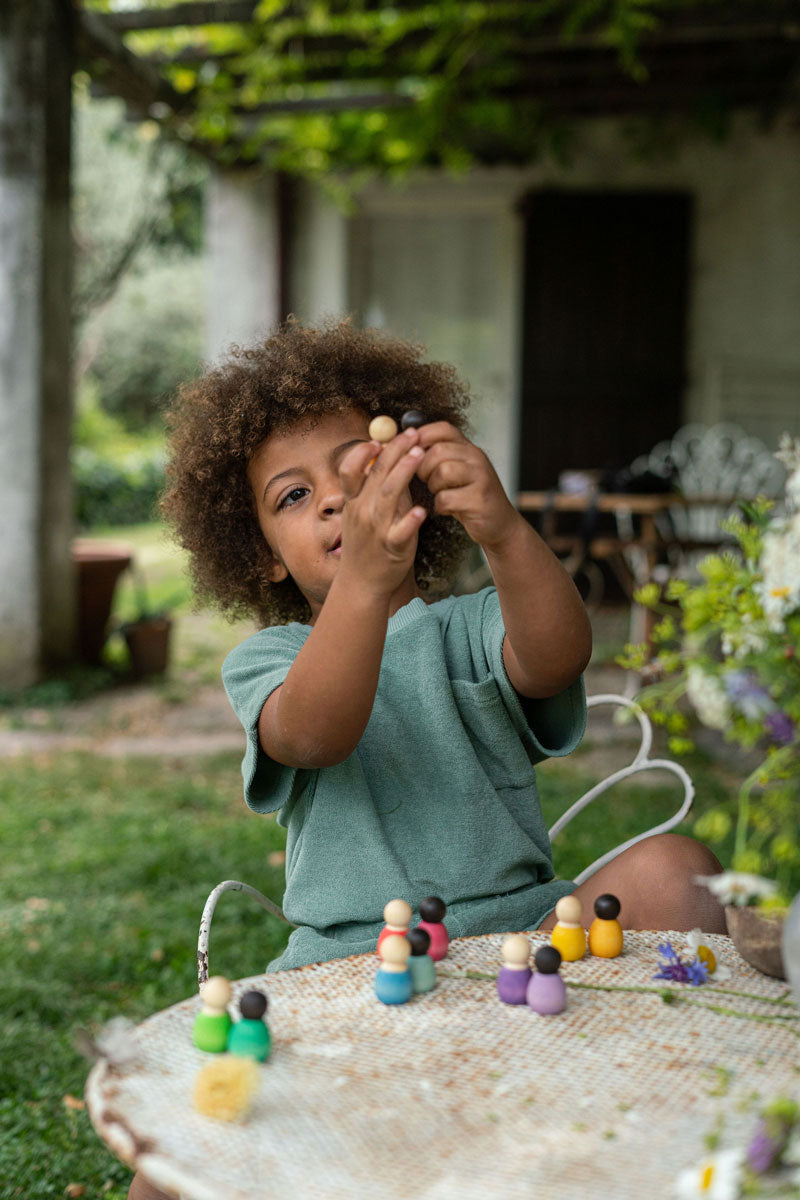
{"points": [[604, 328]]}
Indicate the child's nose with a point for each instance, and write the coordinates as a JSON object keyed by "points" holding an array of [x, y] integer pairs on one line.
{"points": [[331, 498]]}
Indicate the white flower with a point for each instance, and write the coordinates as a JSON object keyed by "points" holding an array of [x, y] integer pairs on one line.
{"points": [[717, 1177], [791, 1155], [737, 887], [788, 452], [779, 590], [708, 698], [749, 638], [793, 489], [698, 941]]}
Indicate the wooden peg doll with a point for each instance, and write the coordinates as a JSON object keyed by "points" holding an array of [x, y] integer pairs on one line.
{"points": [[397, 915], [250, 1037], [605, 931], [420, 963], [569, 936], [432, 911], [515, 973], [413, 419], [547, 992], [382, 429], [212, 1025], [393, 979]]}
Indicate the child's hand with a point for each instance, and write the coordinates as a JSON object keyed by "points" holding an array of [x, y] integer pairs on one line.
{"points": [[379, 524], [464, 485]]}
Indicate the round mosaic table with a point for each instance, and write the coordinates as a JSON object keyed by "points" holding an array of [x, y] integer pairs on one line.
{"points": [[458, 1095]]}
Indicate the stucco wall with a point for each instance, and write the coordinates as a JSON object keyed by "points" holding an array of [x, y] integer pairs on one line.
{"points": [[440, 259]]}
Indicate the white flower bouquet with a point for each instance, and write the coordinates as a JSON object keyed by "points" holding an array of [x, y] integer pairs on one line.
{"points": [[730, 644]]}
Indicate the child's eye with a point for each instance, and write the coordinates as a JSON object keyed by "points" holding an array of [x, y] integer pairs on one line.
{"points": [[292, 497]]}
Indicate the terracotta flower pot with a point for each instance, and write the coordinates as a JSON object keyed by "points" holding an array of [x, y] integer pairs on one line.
{"points": [[757, 937], [148, 643], [98, 566]]}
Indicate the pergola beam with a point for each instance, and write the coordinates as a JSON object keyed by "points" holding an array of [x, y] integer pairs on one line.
{"points": [[139, 83], [198, 12]]}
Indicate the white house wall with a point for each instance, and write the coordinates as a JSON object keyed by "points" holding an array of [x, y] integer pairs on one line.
{"points": [[440, 260]]}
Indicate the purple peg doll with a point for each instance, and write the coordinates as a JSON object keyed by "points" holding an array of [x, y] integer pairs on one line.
{"points": [[515, 974]]}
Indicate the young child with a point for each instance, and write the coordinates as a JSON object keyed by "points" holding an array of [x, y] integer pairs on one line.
{"points": [[396, 737]]}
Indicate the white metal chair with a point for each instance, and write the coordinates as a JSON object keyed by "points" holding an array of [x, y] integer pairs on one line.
{"points": [[641, 762], [715, 463]]}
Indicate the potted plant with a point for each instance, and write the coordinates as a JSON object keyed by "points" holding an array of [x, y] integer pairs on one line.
{"points": [[147, 633], [730, 644]]}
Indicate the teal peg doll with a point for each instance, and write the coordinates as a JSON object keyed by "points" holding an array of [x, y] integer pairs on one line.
{"points": [[420, 964], [250, 1037]]}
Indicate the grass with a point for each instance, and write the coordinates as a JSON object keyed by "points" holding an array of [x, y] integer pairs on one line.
{"points": [[107, 866]]}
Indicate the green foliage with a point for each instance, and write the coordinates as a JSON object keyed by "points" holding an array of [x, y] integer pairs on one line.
{"points": [[117, 476], [730, 644], [451, 81], [133, 191], [116, 491], [139, 290], [150, 340]]}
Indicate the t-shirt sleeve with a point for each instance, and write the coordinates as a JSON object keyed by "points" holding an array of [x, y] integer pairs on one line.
{"points": [[549, 728], [250, 674]]}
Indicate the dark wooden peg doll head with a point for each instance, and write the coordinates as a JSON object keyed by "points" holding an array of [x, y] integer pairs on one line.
{"points": [[547, 960], [413, 419], [253, 1005], [419, 940], [432, 909], [607, 907]]}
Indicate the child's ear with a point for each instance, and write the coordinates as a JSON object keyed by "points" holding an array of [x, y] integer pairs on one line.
{"points": [[276, 571]]}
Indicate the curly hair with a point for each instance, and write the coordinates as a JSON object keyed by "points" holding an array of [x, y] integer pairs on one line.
{"points": [[218, 421]]}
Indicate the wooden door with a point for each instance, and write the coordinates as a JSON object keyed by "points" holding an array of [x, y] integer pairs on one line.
{"points": [[604, 328]]}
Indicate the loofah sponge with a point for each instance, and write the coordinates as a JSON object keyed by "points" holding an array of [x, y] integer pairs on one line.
{"points": [[224, 1088]]}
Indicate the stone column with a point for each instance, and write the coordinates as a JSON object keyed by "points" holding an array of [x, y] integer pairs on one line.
{"points": [[244, 258], [36, 575]]}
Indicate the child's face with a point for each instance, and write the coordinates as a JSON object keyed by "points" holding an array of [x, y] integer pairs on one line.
{"points": [[299, 499]]}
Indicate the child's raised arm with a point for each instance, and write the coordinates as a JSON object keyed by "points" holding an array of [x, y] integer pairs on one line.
{"points": [[548, 636], [317, 716]]}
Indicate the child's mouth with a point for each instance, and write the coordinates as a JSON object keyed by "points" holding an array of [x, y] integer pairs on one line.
{"points": [[336, 548]]}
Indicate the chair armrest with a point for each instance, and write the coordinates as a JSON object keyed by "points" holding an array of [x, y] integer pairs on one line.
{"points": [[229, 885], [641, 762]]}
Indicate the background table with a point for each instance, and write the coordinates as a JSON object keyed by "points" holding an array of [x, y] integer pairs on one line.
{"points": [[457, 1095]]}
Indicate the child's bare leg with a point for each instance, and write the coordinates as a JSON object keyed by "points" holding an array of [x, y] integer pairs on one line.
{"points": [[142, 1190], [654, 883]]}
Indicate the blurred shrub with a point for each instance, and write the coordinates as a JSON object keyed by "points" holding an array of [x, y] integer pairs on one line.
{"points": [[149, 339], [117, 493], [117, 476]]}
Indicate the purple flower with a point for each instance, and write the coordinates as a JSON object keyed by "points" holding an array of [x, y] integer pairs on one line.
{"points": [[696, 972], [780, 727], [747, 694], [764, 1150], [675, 969]]}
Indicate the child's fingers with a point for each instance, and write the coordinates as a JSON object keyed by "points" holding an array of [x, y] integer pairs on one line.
{"points": [[448, 464], [439, 431], [405, 528], [353, 469], [449, 502], [392, 486]]}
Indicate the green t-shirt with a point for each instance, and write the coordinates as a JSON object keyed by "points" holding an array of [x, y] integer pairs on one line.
{"points": [[439, 797]]}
